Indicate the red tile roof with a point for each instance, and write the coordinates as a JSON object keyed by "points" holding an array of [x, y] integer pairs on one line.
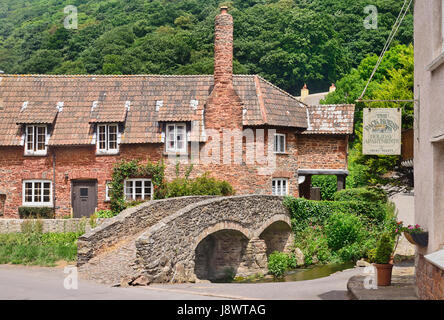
{"points": [[331, 119], [132, 100]]}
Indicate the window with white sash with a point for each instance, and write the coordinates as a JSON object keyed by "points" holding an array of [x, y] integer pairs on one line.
{"points": [[107, 138], [108, 187], [279, 187], [176, 137], [37, 193], [35, 140], [138, 189], [279, 143]]}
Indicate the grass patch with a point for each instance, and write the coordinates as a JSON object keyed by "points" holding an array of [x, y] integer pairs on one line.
{"points": [[33, 247]]}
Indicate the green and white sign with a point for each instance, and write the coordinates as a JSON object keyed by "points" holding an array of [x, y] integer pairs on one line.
{"points": [[382, 131]]}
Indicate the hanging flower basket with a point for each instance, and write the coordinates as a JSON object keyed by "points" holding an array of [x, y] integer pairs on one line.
{"points": [[420, 239], [414, 234]]}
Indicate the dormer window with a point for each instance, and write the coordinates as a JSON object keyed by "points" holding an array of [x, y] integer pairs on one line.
{"points": [[176, 137], [35, 143], [107, 138]]}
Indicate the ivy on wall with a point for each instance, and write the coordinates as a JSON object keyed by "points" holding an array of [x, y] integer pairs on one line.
{"points": [[133, 169]]}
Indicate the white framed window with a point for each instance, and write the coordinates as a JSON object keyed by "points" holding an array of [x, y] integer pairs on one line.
{"points": [[138, 189], [107, 138], [279, 187], [37, 193], [279, 143], [176, 137], [35, 140], [108, 188]]}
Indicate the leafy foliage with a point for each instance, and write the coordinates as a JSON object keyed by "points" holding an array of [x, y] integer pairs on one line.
{"points": [[361, 194], [327, 183], [203, 185], [105, 214], [129, 169], [392, 81], [278, 263], [303, 212], [288, 42], [342, 229], [338, 231], [384, 249]]}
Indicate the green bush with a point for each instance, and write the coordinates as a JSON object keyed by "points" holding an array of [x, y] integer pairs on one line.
{"points": [[361, 194], [328, 185], [305, 211], [105, 214], [203, 185], [313, 243], [353, 252], [338, 231], [36, 213], [384, 249], [278, 263], [342, 230]]}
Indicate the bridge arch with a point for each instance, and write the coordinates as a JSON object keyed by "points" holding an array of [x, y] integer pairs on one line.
{"points": [[172, 250], [277, 234], [226, 225]]}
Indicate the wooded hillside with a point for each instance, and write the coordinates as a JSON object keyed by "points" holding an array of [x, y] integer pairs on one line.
{"points": [[289, 42]]}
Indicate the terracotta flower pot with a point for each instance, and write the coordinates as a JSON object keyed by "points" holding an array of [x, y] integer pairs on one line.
{"points": [[384, 273]]}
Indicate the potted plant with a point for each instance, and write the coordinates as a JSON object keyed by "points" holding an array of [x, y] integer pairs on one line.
{"points": [[383, 259], [416, 235]]}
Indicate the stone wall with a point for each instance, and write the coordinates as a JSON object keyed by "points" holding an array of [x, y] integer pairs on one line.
{"points": [[49, 225], [429, 280], [128, 223], [167, 250]]}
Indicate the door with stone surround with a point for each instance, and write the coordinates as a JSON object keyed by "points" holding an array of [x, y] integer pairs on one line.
{"points": [[84, 198]]}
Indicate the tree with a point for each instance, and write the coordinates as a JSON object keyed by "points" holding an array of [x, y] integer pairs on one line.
{"points": [[392, 81]]}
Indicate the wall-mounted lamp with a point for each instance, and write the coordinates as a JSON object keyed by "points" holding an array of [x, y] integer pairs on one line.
{"points": [[66, 176]]}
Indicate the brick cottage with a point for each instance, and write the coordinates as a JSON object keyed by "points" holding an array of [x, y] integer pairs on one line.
{"points": [[60, 136]]}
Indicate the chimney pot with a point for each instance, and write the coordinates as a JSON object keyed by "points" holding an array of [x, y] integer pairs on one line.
{"points": [[224, 10], [304, 92]]}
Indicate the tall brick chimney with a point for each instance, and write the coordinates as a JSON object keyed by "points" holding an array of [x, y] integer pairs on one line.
{"points": [[224, 107], [223, 48]]}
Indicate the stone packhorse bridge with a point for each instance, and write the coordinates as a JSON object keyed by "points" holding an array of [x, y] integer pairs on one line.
{"points": [[187, 239]]}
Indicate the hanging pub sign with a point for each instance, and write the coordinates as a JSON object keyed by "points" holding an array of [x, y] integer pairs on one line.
{"points": [[382, 131]]}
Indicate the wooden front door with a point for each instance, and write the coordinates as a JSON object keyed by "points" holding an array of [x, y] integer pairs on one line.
{"points": [[84, 198]]}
